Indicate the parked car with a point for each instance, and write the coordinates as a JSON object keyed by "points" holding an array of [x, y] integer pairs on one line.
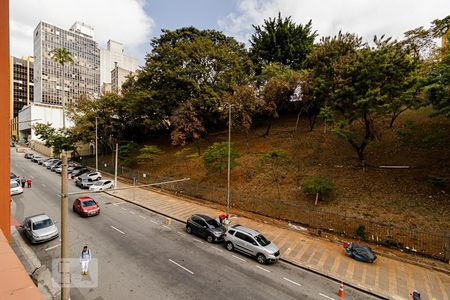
{"points": [[80, 172], [94, 176], [39, 228], [86, 207], [14, 177], [49, 166], [251, 242], [40, 160], [205, 227], [55, 165], [15, 188], [49, 162], [58, 169], [102, 185], [35, 158], [28, 155], [73, 168]]}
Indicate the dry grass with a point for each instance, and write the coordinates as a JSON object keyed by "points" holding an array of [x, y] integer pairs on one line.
{"points": [[402, 197]]}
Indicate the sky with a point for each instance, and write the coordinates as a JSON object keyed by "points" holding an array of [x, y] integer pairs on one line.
{"points": [[136, 22]]}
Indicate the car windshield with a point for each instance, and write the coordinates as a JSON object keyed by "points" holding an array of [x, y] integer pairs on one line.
{"points": [[88, 203], [262, 240], [14, 184], [42, 224], [98, 183], [213, 223]]}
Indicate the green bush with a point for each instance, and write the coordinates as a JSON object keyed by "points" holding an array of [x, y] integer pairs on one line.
{"points": [[128, 153], [215, 157], [148, 152], [319, 187], [437, 181]]}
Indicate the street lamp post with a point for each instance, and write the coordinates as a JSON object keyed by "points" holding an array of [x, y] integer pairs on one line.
{"points": [[96, 145], [229, 162]]}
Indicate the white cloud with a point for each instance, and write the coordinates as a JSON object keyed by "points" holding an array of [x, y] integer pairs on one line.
{"points": [[366, 18], [121, 20]]}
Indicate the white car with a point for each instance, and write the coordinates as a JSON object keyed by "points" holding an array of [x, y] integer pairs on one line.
{"points": [[15, 188], [101, 185], [91, 175]]}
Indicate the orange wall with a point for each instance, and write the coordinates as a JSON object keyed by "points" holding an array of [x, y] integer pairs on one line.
{"points": [[4, 120]]}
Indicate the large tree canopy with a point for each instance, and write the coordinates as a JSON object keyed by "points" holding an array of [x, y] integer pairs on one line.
{"points": [[281, 40]]}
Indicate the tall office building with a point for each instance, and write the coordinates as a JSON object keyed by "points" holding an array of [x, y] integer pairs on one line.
{"points": [[110, 57], [118, 77], [80, 78], [21, 89], [21, 83]]}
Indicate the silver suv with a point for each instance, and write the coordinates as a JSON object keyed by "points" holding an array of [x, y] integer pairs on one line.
{"points": [[251, 242]]}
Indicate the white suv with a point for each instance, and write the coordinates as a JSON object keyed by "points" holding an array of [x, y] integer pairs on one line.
{"points": [[251, 242]]}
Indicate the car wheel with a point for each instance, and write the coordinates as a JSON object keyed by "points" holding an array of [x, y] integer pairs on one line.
{"points": [[188, 229], [230, 246], [261, 258], [209, 238]]}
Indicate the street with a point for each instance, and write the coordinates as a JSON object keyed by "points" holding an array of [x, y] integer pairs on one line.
{"points": [[141, 257]]}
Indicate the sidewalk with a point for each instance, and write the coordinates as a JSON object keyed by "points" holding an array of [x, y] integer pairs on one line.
{"points": [[387, 277]]}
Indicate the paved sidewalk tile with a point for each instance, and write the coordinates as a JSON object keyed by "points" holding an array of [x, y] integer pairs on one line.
{"points": [[387, 277]]}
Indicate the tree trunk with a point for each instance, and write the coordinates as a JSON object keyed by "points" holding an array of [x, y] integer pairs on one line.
{"points": [[312, 121], [268, 129], [197, 145], [298, 119], [317, 199]]}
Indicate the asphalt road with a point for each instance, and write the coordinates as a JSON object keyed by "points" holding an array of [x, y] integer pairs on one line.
{"points": [[140, 257]]}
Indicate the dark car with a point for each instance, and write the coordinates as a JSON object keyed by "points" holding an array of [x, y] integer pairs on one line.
{"points": [[55, 166], [205, 227], [13, 176], [79, 172], [74, 167], [28, 155]]}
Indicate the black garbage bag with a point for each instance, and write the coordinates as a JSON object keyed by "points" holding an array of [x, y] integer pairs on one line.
{"points": [[362, 253]]}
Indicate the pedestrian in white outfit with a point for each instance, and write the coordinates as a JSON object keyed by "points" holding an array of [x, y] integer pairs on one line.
{"points": [[85, 258]]}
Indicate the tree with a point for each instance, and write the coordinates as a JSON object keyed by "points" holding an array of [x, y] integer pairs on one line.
{"points": [[187, 126], [149, 152], [59, 140], [215, 157], [244, 104], [128, 153], [63, 57], [278, 90], [274, 158], [196, 66], [320, 187], [281, 40]]}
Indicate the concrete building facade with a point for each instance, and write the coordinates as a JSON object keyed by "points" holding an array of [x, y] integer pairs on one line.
{"points": [[112, 55], [21, 88], [82, 78], [118, 77]]}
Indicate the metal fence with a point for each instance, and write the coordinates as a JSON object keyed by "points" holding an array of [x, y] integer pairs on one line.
{"points": [[430, 244]]}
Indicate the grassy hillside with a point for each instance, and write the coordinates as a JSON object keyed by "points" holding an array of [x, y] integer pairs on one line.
{"points": [[404, 197]]}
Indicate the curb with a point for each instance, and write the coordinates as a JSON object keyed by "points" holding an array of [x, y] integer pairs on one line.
{"points": [[352, 285]]}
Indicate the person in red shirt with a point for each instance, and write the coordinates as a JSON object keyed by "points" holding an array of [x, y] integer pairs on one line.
{"points": [[29, 183]]}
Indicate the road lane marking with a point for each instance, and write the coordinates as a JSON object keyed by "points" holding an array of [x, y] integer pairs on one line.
{"points": [[124, 208], [186, 269], [43, 185], [237, 257], [132, 212], [117, 229], [50, 248], [118, 203], [218, 249], [142, 217], [198, 241], [325, 296], [263, 269], [180, 233], [153, 221], [167, 227], [291, 281]]}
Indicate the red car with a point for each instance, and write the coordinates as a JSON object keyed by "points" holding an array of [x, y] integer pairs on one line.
{"points": [[86, 207]]}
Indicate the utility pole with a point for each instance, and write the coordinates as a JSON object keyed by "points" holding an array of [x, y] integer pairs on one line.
{"points": [[115, 165], [229, 162], [65, 263], [96, 145]]}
